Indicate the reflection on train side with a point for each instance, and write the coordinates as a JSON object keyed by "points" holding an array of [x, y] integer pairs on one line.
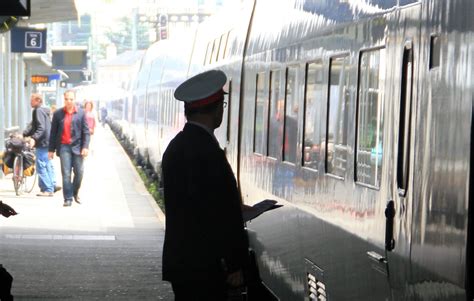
{"points": [[337, 109]]}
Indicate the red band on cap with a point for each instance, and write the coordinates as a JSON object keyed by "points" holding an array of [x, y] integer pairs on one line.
{"points": [[207, 101]]}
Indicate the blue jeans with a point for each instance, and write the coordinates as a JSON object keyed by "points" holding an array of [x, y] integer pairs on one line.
{"points": [[45, 170], [70, 162]]}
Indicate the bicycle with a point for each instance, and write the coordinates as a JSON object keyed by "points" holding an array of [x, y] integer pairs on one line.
{"points": [[23, 180]]}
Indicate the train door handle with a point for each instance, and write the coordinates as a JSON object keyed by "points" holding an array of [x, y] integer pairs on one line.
{"points": [[390, 216]]}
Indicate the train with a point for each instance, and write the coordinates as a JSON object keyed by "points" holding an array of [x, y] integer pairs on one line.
{"points": [[356, 116]]}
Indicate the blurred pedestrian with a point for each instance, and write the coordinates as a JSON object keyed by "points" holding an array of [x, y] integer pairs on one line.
{"points": [[205, 247], [91, 118], [6, 210], [52, 109], [103, 115], [70, 140], [39, 131], [6, 278], [6, 281]]}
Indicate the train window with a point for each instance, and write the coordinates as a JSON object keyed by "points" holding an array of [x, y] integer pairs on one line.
{"points": [[152, 111], [207, 57], [215, 50], [312, 114], [335, 145], [211, 48], [404, 127], [170, 112], [175, 109], [141, 109], [291, 116], [170, 107], [219, 49], [261, 105], [275, 129], [226, 45], [435, 51], [160, 112], [369, 142], [134, 109], [167, 113], [229, 106], [169, 97]]}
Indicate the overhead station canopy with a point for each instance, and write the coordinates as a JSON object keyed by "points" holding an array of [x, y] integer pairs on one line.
{"points": [[38, 63], [26, 12], [49, 11]]}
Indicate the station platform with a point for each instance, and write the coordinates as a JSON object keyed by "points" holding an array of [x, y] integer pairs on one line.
{"points": [[107, 248]]}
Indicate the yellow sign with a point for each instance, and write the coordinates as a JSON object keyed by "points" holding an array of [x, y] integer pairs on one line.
{"points": [[39, 79]]}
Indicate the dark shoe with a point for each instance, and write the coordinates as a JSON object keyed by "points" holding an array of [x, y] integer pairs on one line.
{"points": [[57, 188], [77, 199], [67, 203], [44, 193]]}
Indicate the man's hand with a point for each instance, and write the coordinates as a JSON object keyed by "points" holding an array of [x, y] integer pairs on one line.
{"points": [[31, 142], [235, 279], [84, 152], [6, 210], [50, 155]]}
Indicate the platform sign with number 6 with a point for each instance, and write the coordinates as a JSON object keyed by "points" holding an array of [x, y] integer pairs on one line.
{"points": [[33, 39], [25, 39]]}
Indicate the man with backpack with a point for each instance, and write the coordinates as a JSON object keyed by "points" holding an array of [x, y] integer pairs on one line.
{"points": [[39, 131]]}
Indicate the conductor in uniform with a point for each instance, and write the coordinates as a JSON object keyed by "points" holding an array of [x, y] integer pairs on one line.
{"points": [[205, 247]]}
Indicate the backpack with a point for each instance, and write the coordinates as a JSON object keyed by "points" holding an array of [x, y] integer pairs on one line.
{"points": [[15, 144], [8, 158], [3, 166], [28, 163]]}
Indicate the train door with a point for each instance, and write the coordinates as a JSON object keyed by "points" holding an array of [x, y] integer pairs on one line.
{"points": [[404, 48], [441, 169], [227, 119], [228, 133], [470, 230]]}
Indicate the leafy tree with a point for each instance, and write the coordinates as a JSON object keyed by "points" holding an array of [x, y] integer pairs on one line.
{"points": [[121, 34]]}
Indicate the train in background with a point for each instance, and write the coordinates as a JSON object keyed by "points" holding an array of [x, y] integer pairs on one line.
{"points": [[356, 115]]}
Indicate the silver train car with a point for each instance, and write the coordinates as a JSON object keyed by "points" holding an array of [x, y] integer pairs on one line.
{"points": [[148, 116], [356, 115]]}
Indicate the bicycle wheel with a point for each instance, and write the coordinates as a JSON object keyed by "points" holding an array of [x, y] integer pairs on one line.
{"points": [[17, 173], [29, 182]]}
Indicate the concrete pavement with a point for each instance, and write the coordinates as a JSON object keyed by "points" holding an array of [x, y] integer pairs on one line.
{"points": [[107, 248]]}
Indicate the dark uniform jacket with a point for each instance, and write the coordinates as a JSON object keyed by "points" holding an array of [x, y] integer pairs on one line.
{"points": [[39, 127], [204, 236], [80, 135]]}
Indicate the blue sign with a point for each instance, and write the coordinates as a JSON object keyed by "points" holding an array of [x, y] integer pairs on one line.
{"points": [[54, 77], [25, 39]]}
